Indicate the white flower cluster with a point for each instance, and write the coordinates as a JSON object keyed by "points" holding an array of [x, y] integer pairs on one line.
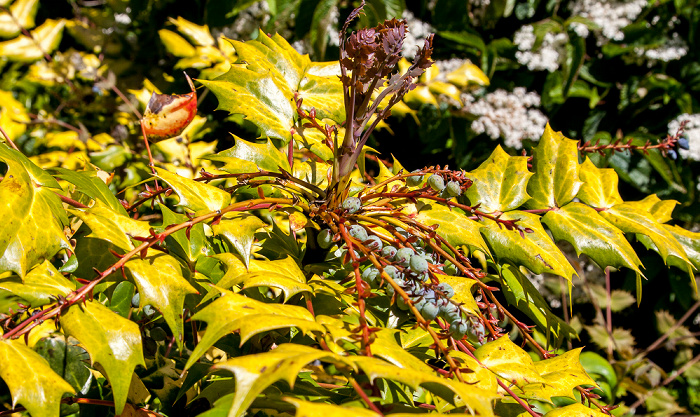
{"points": [[547, 56], [610, 15], [692, 132], [672, 49], [417, 32], [513, 116]]}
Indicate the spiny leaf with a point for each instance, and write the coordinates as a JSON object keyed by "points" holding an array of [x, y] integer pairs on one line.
{"points": [[88, 183], [315, 409], [463, 293], [453, 226], [619, 299], [520, 292], [254, 373], [31, 380], [233, 312], [159, 278], [621, 340], [599, 188], [44, 40], [41, 285], [264, 155], [194, 195], [690, 241], [556, 179], [575, 410], [499, 182], [475, 399], [385, 346], [659, 209], [67, 359], [505, 359], [192, 247], [478, 376], [562, 374], [111, 340], [534, 250], [33, 216], [239, 230], [107, 224], [589, 233]]}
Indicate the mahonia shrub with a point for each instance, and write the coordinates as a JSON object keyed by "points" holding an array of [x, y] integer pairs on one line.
{"points": [[284, 278]]}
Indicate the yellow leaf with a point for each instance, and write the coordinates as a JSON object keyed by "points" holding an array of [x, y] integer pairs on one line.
{"points": [[45, 39], [23, 13]]}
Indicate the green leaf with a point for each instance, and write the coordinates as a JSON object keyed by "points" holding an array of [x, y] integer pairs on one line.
{"points": [[387, 347], [500, 182], [264, 155], [588, 232], [534, 250], [520, 292], [233, 312], [254, 373], [160, 281], [619, 299], [239, 230], [621, 339], [262, 85], [561, 374], [67, 359], [88, 183], [191, 248], [111, 340], [575, 410], [556, 179], [41, 285], [505, 359], [596, 364], [194, 195], [690, 242], [33, 216], [453, 225], [599, 188], [31, 380], [315, 409], [107, 224]]}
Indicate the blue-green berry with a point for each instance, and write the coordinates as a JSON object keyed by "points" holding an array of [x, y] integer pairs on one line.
{"points": [[446, 289], [358, 232], [392, 272], [414, 180], [148, 310], [370, 274], [429, 310], [388, 252], [418, 264], [135, 300], [683, 143], [403, 256], [401, 303], [390, 290], [449, 311], [453, 189], [436, 182], [374, 243], [325, 238], [450, 269], [352, 204], [458, 329]]}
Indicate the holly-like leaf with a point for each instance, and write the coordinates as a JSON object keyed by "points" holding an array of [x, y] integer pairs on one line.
{"points": [[690, 241], [159, 278], [233, 312], [453, 226], [41, 285], [599, 188], [387, 347], [194, 195], [659, 209], [176, 44], [33, 216], [463, 292], [520, 292], [575, 410], [619, 299], [315, 409], [254, 373], [621, 340], [263, 84], [239, 230], [67, 359], [21, 16], [107, 224], [88, 183], [31, 380], [500, 182], [534, 250], [505, 359], [190, 248], [263, 155], [589, 233], [111, 340], [44, 40], [477, 400], [555, 162], [562, 374]]}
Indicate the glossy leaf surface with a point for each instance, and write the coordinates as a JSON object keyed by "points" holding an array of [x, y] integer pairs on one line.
{"points": [[500, 182]]}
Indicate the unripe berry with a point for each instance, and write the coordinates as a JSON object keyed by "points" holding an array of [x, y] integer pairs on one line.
{"points": [[450, 269], [352, 204], [414, 180], [370, 274], [358, 232], [325, 238], [401, 303], [418, 264], [373, 243], [458, 329], [429, 311], [388, 252], [392, 272], [683, 143], [446, 289], [453, 189], [158, 334], [403, 256], [436, 182], [390, 290], [673, 154], [135, 300]]}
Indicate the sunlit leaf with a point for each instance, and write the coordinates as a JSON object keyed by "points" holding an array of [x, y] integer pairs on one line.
{"points": [[41, 286], [13, 116], [21, 16], [44, 40], [505, 359], [561, 374], [263, 155], [111, 340], [176, 44], [90, 184], [195, 195], [463, 292], [31, 380], [690, 241], [575, 410], [315, 409], [192, 247], [599, 188], [198, 35], [555, 162], [500, 182], [111, 226]]}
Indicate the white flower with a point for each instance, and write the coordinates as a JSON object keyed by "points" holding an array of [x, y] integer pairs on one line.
{"points": [[674, 48], [417, 32], [122, 18], [547, 56], [692, 132], [512, 116], [610, 15], [580, 29]]}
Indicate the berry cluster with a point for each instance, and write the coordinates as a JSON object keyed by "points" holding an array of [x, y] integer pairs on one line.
{"points": [[437, 183]]}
